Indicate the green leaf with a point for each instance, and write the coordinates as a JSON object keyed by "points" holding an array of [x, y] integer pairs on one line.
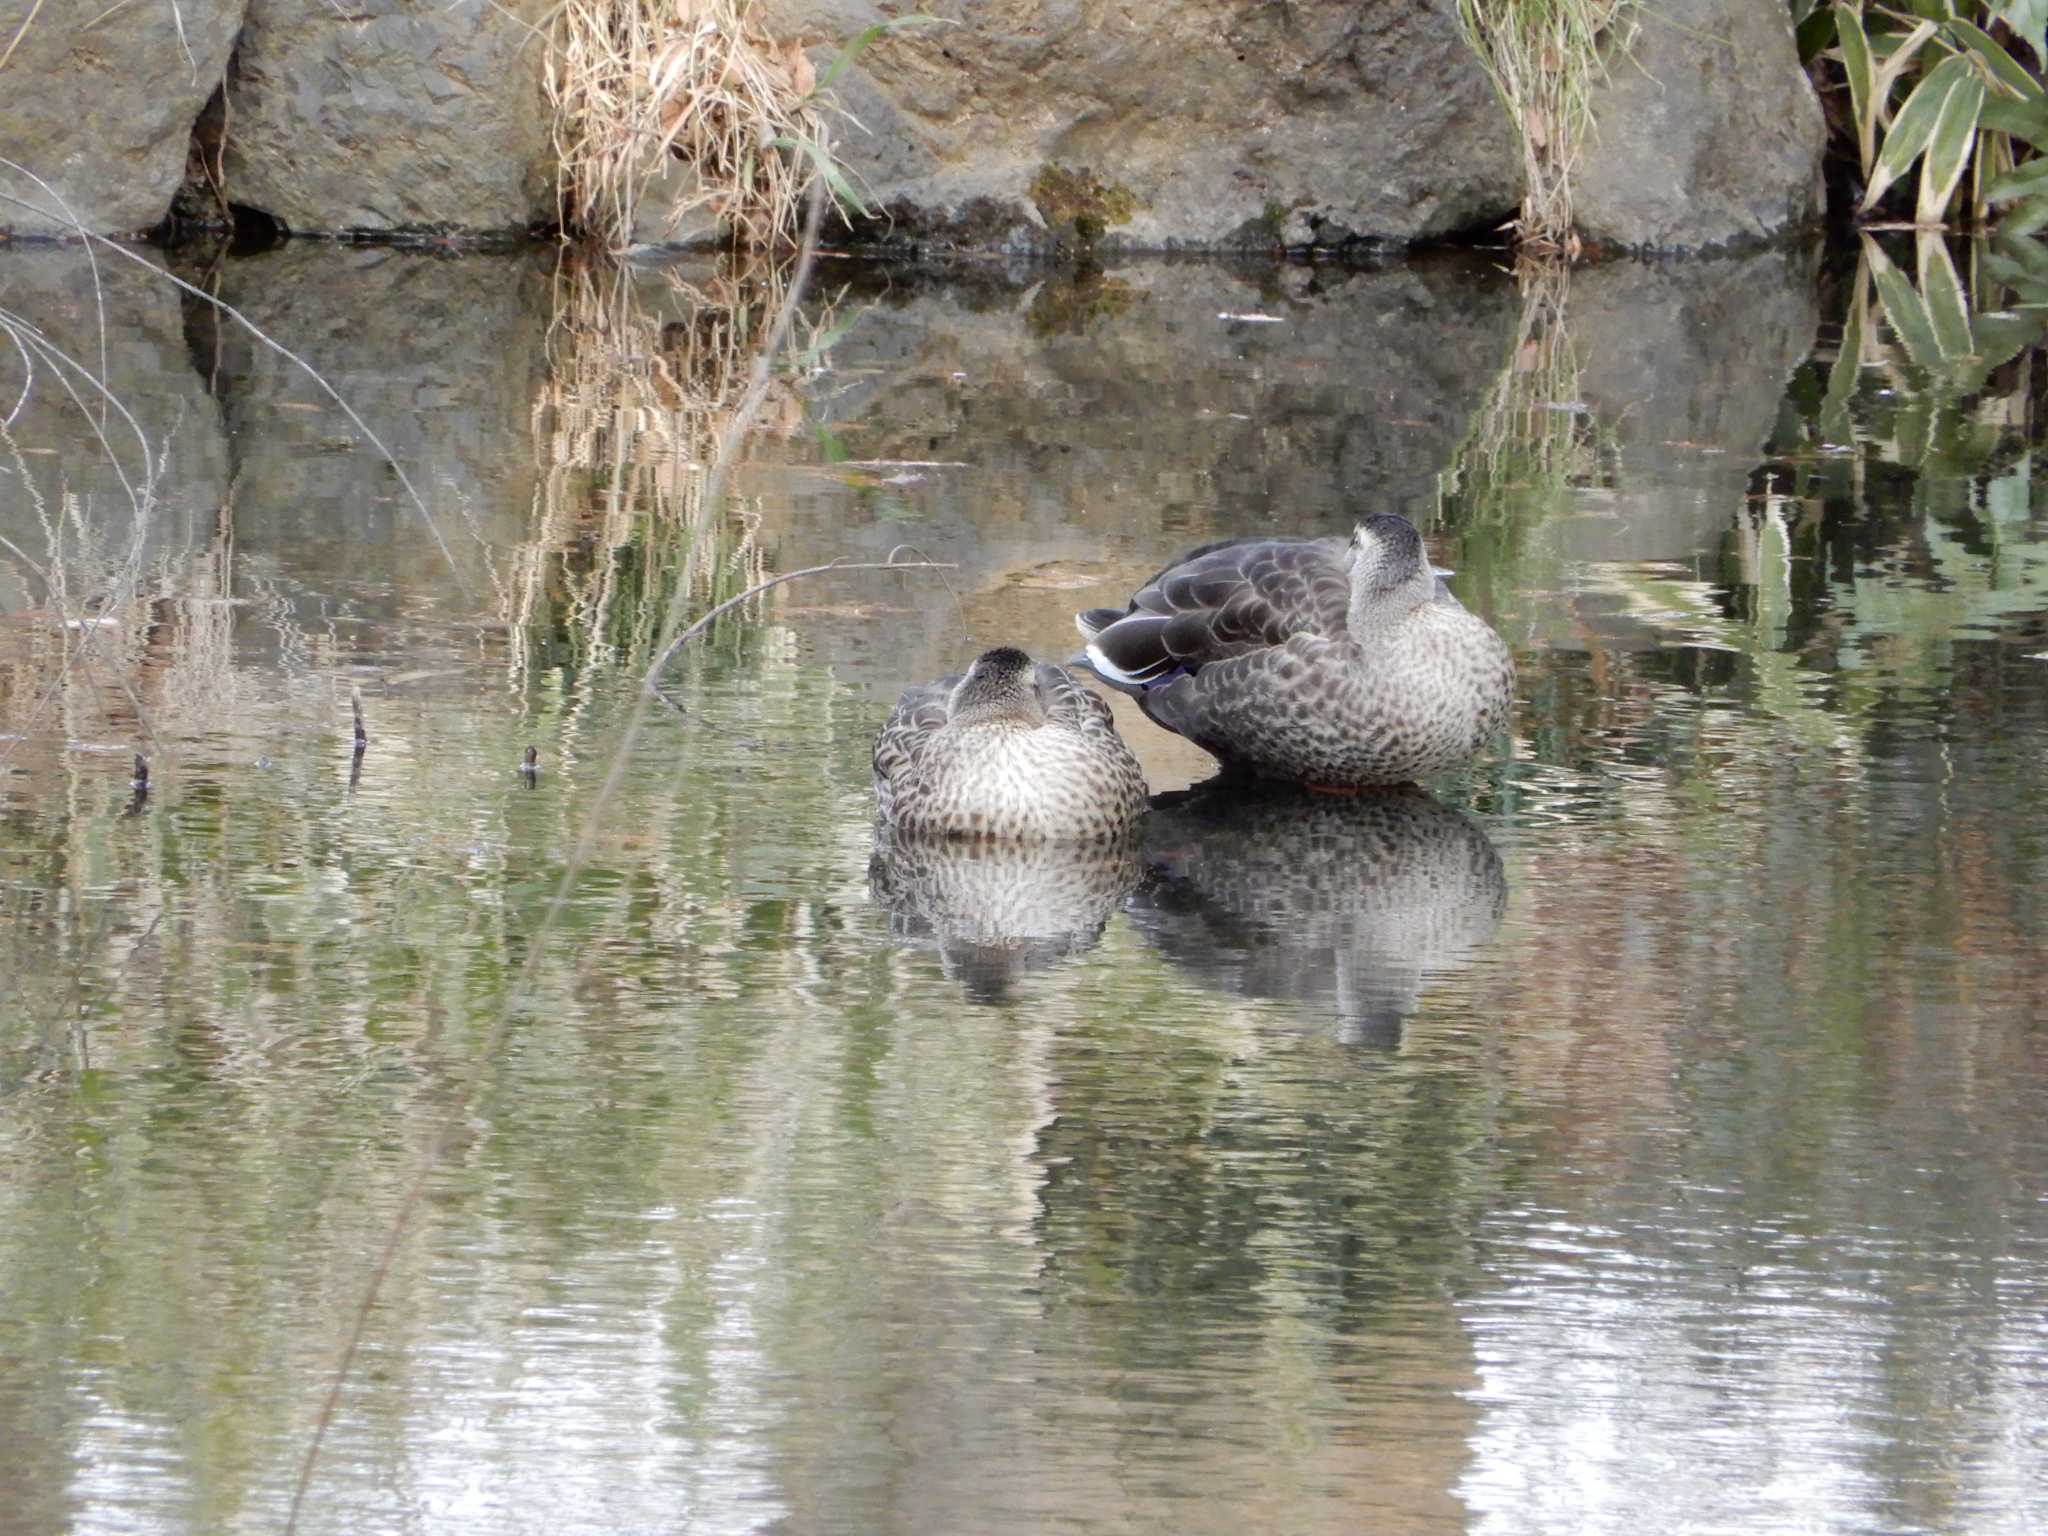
{"points": [[2003, 67], [2029, 180], [2024, 120], [826, 340], [2026, 218], [866, 35], [2019, 263], [835, 179], [1856, 65], [1949, 145], [830, 449], [2002, 336], [2028, 20], [1947, 306], [1814, 32], [1913, 127], [1836, 424], [1895, 63], [1902, 307]]}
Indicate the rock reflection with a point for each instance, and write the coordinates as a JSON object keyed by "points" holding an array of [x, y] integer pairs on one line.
{"points": [[1347, 902], [996, 911]]}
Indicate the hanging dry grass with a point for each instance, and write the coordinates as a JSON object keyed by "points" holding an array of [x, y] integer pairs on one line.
{"points": [[1544, 58], [638, 84]]}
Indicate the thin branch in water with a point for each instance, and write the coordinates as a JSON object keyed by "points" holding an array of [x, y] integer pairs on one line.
{"points": [[278, 347], [19, 33], [759, 587]]}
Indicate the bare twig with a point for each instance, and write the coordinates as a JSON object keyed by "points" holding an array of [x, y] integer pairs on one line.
{"points": [[278, 347], [19, 33], [775, 581]]}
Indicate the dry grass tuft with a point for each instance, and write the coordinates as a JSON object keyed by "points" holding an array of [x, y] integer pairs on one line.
{"points": [[1544, 58], [636, 84]]}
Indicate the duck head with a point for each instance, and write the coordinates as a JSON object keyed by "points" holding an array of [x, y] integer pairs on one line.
{"points": [[1001, 685], [1390, 573]]}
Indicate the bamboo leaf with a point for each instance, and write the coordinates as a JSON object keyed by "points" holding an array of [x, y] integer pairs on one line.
{"points": [[2028, 20], [1813, 32], [1902, 308], [1913, 127], [2004, 68], [835, 179], [2002, 337], [809, 357], [2026, 218], [2024, 120], [1949, 144], [1941, 291], [860, 40], [2022, 265], [1836, 424], [2029, 180], [1856, 65], [1887, 74]]}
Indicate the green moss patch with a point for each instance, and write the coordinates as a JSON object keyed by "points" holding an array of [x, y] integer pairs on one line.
{"points": [[1078, 206]]}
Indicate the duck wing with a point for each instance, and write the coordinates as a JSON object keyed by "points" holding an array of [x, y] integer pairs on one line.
{"points": [[923, 708], [1219, 601], [1071, 704]]}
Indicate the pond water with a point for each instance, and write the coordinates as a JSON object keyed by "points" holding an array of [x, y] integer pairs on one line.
{"points": [[1643, 1128]]}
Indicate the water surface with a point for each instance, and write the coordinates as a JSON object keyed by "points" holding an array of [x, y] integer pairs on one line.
{"points": [[1644, 1127]]}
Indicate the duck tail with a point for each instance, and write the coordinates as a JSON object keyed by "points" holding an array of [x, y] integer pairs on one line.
{"points": [[1093, 621]]}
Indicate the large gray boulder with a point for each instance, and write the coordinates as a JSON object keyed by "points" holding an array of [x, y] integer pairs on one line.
{"points": [[390, 115], [1196, 123], [1709, 132], [99, 103]]}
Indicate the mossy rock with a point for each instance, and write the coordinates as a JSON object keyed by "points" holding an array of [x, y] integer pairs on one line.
{"points": [[1077, 206]]}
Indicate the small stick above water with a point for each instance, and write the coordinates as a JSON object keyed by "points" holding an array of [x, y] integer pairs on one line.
{"points": [[355, 704], [529, 765]]}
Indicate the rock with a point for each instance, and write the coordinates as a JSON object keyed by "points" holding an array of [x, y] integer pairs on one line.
{"points": [[443, 358], [1200, 123], [392, 116], [102, 109], [108, 521], [1709, 133], [656, 221]]}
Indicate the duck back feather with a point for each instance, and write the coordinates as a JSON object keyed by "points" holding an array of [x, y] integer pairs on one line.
{"points": [[1328, 661]]}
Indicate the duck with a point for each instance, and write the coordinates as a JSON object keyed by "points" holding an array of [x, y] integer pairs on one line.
{"points": [[1013, 750], [1331, 662]]}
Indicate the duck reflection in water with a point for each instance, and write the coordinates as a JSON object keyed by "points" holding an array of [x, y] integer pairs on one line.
{"points": [[996, 911], [1350, 902]]}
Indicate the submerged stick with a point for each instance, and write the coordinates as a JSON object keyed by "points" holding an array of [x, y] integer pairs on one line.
{"points": [[140, 784]]}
